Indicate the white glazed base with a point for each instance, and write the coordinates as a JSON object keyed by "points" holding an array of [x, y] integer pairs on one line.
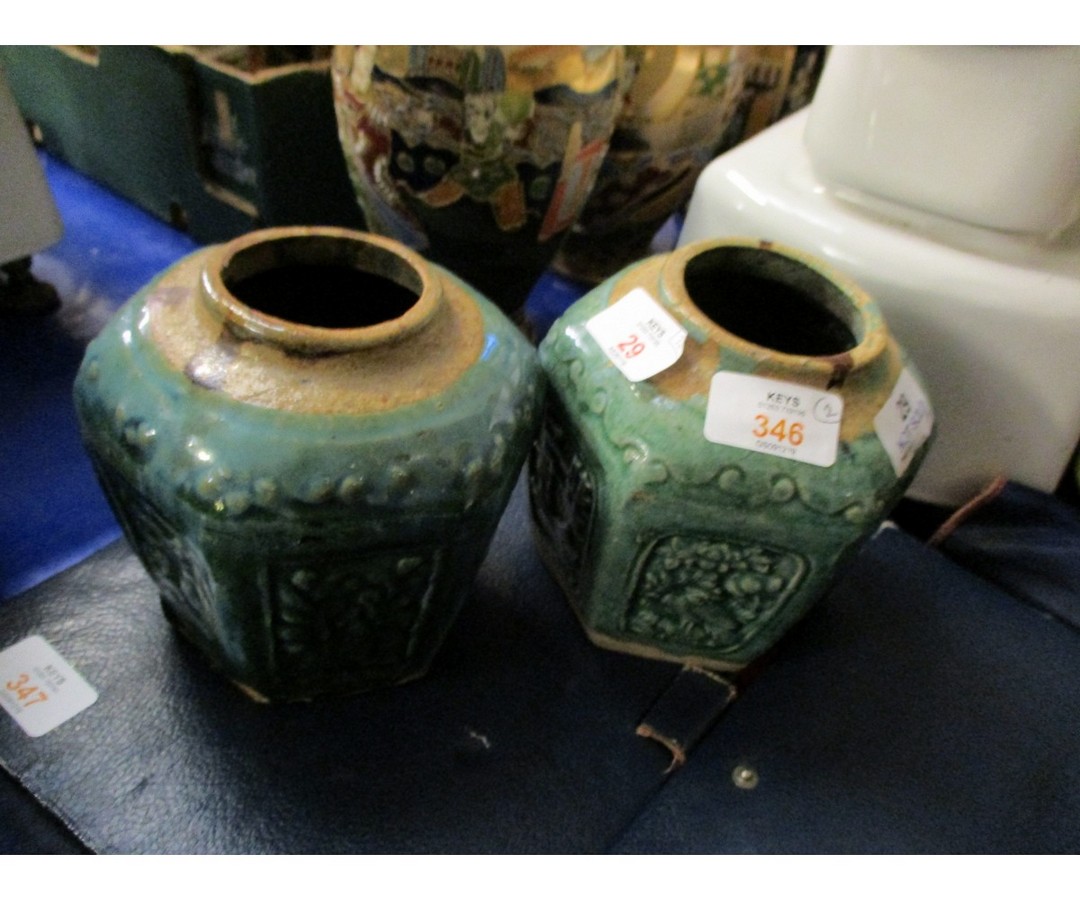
{"points": [[991, 319]]}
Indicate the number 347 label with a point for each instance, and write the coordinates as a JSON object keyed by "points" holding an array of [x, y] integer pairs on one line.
{"points": [[774, 417], [38, 688]]}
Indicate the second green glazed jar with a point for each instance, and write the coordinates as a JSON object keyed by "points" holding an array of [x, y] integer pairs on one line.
{"points": [[309, 436], [696, 512]]}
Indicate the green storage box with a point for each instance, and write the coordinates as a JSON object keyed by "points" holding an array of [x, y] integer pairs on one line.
{"points": [[216, 140]]}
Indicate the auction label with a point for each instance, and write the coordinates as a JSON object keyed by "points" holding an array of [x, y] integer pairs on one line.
{"points": [[38, 688], [779, 418], [638, 335], [905, 422]]}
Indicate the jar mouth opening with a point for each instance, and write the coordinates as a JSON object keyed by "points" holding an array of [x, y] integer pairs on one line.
{"points": [[320, 289], [774, 300]]}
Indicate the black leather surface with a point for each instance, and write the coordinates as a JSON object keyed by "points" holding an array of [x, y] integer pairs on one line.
{"points": [[28, 827], [919, 708], [520, 739]]}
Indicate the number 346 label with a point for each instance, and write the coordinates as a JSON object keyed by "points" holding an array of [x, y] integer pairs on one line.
{"points": [[774, 417], [38, 688]]}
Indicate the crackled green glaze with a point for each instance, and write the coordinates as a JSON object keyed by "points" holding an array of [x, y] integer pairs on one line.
{"points": [[308, 551], [669, 545]]}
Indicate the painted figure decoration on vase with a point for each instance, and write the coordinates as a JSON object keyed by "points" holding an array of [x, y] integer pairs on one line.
{"points": [[685, 105], [479, 156], [679, 105]]}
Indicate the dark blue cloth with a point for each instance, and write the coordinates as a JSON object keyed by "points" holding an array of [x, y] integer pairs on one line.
{"points": [[1027, 545], [52, 514], [919, 709]]}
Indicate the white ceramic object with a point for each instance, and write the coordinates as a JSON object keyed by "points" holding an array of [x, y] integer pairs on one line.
{"points": [[991, 319], [29, 221], [985, 135]]}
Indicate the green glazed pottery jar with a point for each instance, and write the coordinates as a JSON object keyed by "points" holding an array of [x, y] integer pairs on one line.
{"points": [[309, 436], [725, 424]]}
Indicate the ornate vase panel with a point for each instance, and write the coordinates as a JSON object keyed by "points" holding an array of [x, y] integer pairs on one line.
{"points": [[480, 156], [685, 105], [695, 509], [679, 106], [308, 436]]}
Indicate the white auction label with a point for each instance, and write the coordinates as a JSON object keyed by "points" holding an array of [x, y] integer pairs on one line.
{"points": [[638, 335], [779, 418], [905, 422], [38, 688]]}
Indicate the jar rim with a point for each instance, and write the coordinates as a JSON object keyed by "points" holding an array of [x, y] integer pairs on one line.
{"points": [[844, 300], [261, 251]]}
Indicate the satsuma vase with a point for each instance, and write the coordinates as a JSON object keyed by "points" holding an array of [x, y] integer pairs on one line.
{"points": [[479, 156], [679, 105]]}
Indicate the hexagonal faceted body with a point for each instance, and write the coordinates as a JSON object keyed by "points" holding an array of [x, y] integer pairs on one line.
{"points": [[309, 437], [672, 533]]}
